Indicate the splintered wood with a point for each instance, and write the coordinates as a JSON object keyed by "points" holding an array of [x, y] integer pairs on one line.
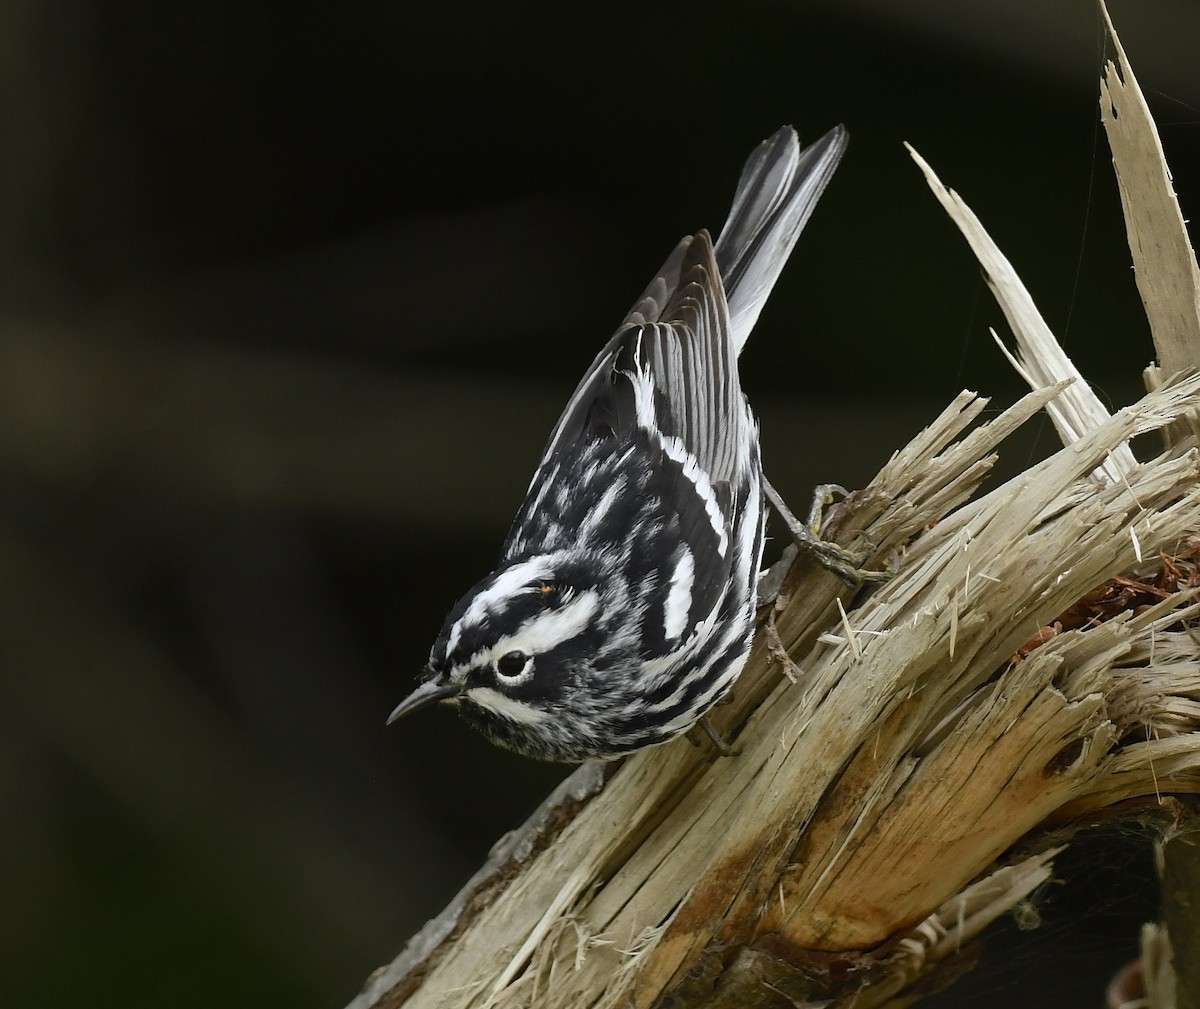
{"points": [[911, 758], [893, 776]]}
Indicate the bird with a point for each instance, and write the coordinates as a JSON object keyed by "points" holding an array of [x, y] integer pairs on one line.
{"points": [[623, 606]]}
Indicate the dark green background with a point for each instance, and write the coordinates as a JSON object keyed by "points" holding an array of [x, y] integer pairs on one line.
{"points": [[290, 298]]}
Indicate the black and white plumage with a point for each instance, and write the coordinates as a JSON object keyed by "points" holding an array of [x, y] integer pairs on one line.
{"points": [[623, 606]]}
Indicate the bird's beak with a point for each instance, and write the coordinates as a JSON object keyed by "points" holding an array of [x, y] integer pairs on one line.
{"points": [[427, 693]]}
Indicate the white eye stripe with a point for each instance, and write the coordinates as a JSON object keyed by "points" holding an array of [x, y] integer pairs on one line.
{"points": [[539, 634], [548, 630], [539, 568], [514, 711]]}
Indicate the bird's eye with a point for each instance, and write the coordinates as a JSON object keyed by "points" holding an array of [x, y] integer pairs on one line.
{"points": [[511, 665]]}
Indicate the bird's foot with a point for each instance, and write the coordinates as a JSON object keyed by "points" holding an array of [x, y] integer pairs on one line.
{"points": [[720, 745], [846, 564]]}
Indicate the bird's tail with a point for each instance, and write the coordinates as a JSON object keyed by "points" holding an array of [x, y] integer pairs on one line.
{"points": [[776, 193]]}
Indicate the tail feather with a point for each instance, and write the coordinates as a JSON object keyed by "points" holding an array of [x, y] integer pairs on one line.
{"points": [[776, 193]]}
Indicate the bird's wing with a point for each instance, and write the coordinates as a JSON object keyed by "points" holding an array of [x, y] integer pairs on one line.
{"points": [[671, 370]]}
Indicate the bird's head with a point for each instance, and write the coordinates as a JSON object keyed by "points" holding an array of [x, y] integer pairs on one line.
{"points": [[513, 653]]}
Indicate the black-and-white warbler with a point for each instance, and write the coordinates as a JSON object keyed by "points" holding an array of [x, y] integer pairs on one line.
{"points": [[623, 606]]}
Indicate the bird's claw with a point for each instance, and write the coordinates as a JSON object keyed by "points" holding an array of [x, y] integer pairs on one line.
{"points": [[846, 564], [720, 745]]}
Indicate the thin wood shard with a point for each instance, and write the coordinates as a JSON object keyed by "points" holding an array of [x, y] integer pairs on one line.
{"points": [[1163, 260], [1039, 360]]}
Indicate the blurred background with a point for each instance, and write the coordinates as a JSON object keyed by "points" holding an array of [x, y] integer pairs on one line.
{"points": [[290, 298]]}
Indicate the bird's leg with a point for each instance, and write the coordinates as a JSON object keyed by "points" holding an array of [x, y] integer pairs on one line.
{"points": [[842, 562], [705, 726]]}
